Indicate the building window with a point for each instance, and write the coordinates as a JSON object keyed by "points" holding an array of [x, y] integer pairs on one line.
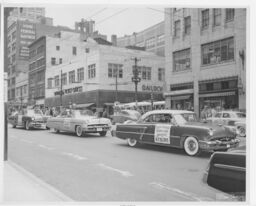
{"points": [[150, 43], [25, 89], [74, 50], [92, 71], [40, 62], [177, 28], [216, 17], [53, 61], [205, 19], [57, 48], [13, 81], [144, 72], [187, 25], [230, 13], [13, 35], [57, 81], [60, 61], [181, 60], [40, 76], [80, 74], [115, 69], [217, 52], [32, 66], [40, 49], [161, 74], [71, 76], [14, 46], [49, 83], [32, 53], [160, 39], [64, 79]]}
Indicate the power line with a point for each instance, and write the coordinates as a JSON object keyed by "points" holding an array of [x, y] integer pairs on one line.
{"points": [[112, 15], [94, 14], [195, 20]]}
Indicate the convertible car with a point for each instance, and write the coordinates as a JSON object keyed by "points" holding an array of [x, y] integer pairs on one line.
{"points": [[226, 171], [80, 122], [32, 118], [177, 128], [125, 115]]}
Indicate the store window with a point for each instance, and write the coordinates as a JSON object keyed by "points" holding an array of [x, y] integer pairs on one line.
{"points": [[64, 79], [57, 81], [187, 25], [71, 76], [80, 74], [161, 74], [216, 17], [230, 13], [181, 60], [217, 52], [92, 71], [205, 19], [177, 28], [115, 69]]}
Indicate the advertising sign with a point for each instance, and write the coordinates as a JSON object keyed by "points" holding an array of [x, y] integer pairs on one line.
{"points": [[162, 133]]}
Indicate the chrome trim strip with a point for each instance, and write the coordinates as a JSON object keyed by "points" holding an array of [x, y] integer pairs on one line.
{"points": [[230, 167]]}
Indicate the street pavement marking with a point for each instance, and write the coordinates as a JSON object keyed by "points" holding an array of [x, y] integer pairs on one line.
{"points": [[123, 173], [27, 141], [78, 157], [178, 192], [46, 147]]}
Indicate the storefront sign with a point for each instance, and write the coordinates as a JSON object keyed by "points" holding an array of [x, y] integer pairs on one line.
{"points": [[152, 88], [69, 91]]}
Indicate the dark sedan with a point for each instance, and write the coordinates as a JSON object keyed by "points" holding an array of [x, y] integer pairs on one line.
{"points": [[177, 128]]}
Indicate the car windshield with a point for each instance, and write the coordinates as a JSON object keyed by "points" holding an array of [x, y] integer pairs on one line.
{"points": [[179, 119], [241, 115], [82, 113]]}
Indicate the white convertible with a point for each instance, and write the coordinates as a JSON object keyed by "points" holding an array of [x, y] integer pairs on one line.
{"points": [[80, 122]]}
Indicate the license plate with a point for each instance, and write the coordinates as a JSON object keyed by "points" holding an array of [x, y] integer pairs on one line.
{"points": [[99, 129], [228, 145]]}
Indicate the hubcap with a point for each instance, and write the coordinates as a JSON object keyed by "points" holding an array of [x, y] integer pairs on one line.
{"points": [[191, 145]]}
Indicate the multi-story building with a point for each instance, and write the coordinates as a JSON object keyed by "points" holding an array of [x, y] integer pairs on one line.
{"points": [[25, 13], [21, 89], [102, 74], [48, 51], [205, 58], [152, 39]]}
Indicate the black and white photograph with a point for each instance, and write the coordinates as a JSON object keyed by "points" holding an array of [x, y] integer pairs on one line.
{"points": [[125, 103]]}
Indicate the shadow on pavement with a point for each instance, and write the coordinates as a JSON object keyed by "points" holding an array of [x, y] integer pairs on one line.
{"points": [[86, 136]]}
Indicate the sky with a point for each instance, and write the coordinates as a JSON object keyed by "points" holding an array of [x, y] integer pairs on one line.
{"points": [[119, 20]]}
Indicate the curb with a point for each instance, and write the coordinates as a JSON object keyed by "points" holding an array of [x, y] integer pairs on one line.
{"points": [[40, 182]]}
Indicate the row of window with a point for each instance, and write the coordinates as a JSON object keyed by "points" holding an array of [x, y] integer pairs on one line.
{"points": [[36, 77], [114, 70], [37, 92], [21, 91], [37, 64], [205, 21], [36, 51], [211, 53], [150, 43]]}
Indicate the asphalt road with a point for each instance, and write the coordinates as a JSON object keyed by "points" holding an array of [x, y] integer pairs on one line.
{"points": [[96, 168]]}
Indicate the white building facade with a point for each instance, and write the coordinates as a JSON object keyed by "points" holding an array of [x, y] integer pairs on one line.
{"points": [[91, 77]]}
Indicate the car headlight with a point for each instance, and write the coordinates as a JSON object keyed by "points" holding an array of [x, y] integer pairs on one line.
{"points": [[210, 132], [33, 118]]}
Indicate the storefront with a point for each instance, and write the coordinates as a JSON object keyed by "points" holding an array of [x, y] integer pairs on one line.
{"points": [[183, 102]]}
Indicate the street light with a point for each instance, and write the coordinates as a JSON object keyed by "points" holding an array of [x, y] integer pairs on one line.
{"points": [[136, 79]]}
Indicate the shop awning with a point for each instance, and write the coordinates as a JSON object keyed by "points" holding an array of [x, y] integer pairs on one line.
{"points": [[179, 92], [180, 97], [220, 94], [84, 105]]}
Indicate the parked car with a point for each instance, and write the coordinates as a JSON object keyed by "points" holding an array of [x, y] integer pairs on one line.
{"points": [[31, 118], [230, 118], [125, 115], [226, 171], [80, 122], [241, 128], [177, 128]]}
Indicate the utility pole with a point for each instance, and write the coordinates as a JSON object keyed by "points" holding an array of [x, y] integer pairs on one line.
{"points": [[136, 79], [61, 88]]}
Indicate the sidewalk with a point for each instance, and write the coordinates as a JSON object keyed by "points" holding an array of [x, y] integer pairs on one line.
{"points": [[22, 186]]}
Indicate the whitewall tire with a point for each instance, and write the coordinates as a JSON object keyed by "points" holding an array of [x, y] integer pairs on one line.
{"points": [[191, 146], [56, 130], [132, 142], [79, 131], [27, 125]]}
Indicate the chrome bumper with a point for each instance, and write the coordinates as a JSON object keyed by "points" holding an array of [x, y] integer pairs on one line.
{"points": [[218, 145]]}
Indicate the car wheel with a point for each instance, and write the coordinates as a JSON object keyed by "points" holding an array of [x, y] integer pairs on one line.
{"points": [[14, 126], [47, 128], [56, 130], [132, 142], [79, 131], [27, 125], [191, 146], [241, 131], [103, 134]]}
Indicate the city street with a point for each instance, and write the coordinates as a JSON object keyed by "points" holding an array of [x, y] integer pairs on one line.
{"points": [[94, 168]]}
